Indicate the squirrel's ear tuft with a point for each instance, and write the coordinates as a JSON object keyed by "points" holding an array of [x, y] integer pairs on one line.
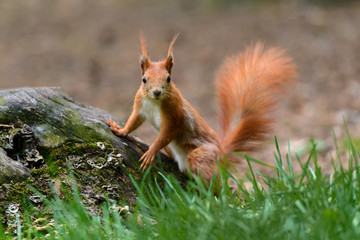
{"points": [[144, 64], [143, 44], [172, 45]]}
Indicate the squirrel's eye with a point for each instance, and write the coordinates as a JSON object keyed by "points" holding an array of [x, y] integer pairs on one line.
{"points": [[144, 79], [168, 79]]}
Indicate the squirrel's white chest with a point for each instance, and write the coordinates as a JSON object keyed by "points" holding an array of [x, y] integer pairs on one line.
{"points": [[151, 111]]}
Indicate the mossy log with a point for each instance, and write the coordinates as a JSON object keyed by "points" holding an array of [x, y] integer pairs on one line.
{"points": [[11, 170], [57, 138]]}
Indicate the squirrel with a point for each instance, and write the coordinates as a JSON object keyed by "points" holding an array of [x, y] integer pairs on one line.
{"points": [[247, 87]]}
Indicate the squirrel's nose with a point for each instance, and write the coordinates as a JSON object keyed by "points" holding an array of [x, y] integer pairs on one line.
{"points": [[156, 92]]}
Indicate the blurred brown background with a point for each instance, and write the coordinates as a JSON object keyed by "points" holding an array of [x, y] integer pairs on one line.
{"points": [[90, 48]]}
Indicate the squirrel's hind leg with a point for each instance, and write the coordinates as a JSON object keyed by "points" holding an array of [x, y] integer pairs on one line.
{"points": [[203, 161]]}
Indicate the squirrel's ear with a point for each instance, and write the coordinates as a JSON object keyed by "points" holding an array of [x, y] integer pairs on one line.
{"points": [[144, 64], [169, 62], [144, 60]]}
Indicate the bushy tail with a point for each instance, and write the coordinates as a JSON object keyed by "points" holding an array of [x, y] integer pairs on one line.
{"points": [[248, 86]]}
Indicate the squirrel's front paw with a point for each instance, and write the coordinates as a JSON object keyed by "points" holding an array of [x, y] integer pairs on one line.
{"points": [[147, 159], [116, 129]]}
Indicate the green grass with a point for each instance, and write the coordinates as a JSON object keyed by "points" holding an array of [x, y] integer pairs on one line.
{"points": [[289, 205]]}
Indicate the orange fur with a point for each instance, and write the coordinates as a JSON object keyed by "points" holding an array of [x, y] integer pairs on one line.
{"points": [[246, 85]]}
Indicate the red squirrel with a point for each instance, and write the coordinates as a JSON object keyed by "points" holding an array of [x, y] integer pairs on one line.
{"points": [[247, 86]]}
